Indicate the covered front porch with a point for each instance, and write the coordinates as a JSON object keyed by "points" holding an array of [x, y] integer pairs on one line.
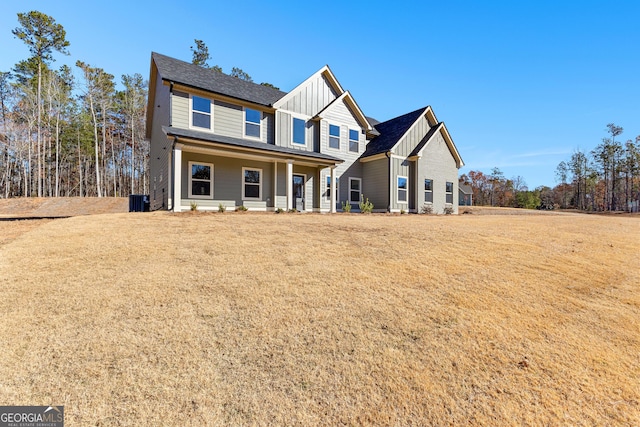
{"points": [[211, 174]]}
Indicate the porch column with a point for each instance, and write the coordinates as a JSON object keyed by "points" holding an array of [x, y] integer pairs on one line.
{"points": [[289, 184], [333, 190], [275, 185], [177, 177]]}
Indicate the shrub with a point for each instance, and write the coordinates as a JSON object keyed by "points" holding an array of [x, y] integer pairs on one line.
{"points": [[242, 208], [221, 208], [402, 212], [448, 210], [279, 210], [346, 206], [365, 206], [194, 206], [426, 209], [293, 210]]}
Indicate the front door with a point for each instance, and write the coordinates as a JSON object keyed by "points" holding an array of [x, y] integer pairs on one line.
{"points": [[298, 192]]}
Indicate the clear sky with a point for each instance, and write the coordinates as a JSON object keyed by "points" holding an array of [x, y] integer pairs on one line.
{"points": [[519, 84]]}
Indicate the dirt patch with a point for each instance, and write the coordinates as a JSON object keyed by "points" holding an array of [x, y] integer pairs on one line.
{"points": [[61, 206]]}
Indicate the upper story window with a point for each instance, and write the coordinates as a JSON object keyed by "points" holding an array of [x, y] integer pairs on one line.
{"points": [[428, 190], [403, 189], [252, 123], [334, 136], [354, 138], [298, 133], [449, 191], [200, 112], [201, 180]]}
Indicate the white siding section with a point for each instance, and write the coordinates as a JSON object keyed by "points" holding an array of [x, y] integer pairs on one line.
{"points": [[438, 164], [268, 128], [311, 98], [406, 145]]}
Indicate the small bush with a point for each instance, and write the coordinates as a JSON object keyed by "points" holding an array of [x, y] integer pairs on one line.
{"points": [[221, 208], [448, 210], [426, 209], [402, 212], [242, 208], [346, 206], [365, 206], [194, 206], [279, 210], [293, 210]]}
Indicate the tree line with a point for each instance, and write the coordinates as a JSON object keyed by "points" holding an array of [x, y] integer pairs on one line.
{"points": [[607, 178], [62, 136]]}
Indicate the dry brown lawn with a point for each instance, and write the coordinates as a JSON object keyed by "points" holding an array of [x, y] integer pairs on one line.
{"points": [[300, 319]]}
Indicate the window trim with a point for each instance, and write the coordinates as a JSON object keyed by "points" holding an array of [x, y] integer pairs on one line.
{"points": [[406, 190], [191, 111], [190, 184], [357, 141], [428, 191], [329, 136], [245, 183], [292, 142], [359, 189], [244, 124], [447, 193]]}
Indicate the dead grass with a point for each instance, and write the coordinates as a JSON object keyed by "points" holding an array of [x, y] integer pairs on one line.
{"points": [[61, 206], [242, 319]]}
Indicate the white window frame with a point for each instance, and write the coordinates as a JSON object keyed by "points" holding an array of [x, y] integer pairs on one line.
{"points": [[329, 136], [357, 141], [402, 202], [191, 111], [446, 193], [359, 191], [259, 184], [297, 144], [244, 124], [190, 195], [428, 191]]}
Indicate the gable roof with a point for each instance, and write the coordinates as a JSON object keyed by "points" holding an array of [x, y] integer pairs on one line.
{"points": [[391, 132], [324, 71], [174, 70]]}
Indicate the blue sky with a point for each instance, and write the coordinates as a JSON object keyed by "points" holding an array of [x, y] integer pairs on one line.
{"points": [[520, 85]]}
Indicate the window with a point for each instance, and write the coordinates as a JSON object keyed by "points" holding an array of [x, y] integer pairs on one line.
{"points": [[334, 137], [328, 188], [428, 191], [298, 131], [355, 189], [402, 189], [354, 138], [251, 183], [201, 112], [449, 191], [252, 123], [201, 180]]}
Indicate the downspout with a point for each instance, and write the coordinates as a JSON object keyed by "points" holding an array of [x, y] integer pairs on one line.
{"points": [[388, 154]]}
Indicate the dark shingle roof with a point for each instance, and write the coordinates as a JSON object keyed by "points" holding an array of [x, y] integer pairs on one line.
{"points": [[465, 188], [426, 139], [237, 142], [372, 121], [213, 81], [390, 133]]}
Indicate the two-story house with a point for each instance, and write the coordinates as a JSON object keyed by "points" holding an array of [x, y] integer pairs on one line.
{"points": [[218, 140]]}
